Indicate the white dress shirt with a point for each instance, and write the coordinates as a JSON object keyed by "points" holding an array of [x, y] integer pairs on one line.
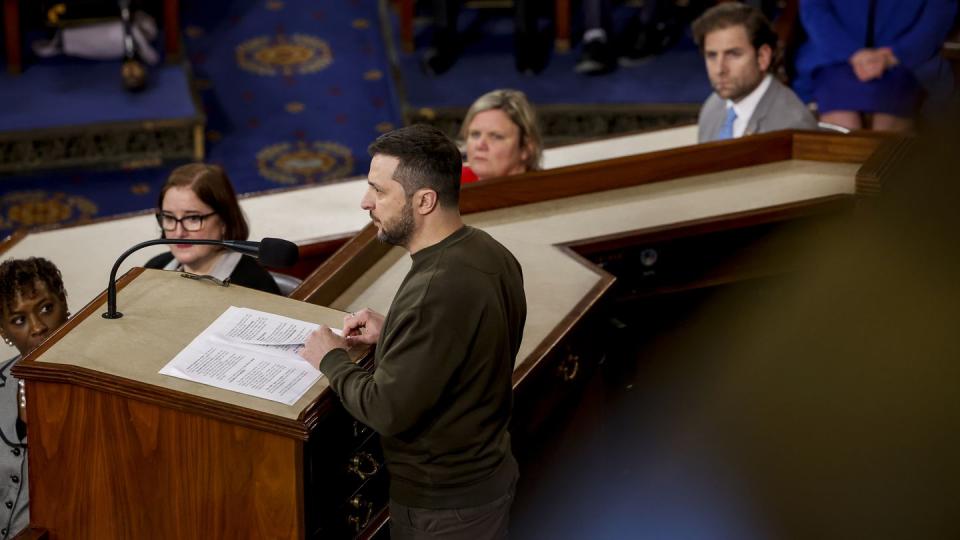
{"points": [[745, 107]]}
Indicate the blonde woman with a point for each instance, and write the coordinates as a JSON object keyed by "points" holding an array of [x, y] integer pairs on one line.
{"points": [[501, 136]]}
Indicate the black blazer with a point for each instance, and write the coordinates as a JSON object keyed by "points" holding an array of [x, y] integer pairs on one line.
{"points": [[248, 273]]}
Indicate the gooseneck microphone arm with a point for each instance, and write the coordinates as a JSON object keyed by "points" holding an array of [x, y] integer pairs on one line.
{"points": [[272, 252]]}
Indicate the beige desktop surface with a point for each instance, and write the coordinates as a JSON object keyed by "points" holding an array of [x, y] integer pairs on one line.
{"points": [[555, 283], [162, 313]]}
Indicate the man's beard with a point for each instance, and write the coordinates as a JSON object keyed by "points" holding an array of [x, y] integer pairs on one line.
{"points": [[398, 231]]}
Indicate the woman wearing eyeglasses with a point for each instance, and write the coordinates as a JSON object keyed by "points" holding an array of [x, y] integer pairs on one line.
{"points": [[198, 202]]}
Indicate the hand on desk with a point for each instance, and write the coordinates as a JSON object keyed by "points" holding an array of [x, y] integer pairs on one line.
{"points": [[362, 327], [320, 342]]}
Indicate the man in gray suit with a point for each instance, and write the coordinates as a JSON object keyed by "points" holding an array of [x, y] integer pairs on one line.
{"points": [[738, 47]]}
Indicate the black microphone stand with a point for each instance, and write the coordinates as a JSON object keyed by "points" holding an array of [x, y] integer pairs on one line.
{"points": [[243, 246]]}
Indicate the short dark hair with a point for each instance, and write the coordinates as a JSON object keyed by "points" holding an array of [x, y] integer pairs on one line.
{"points": [[212, 186], [21, 276], [758, 28], [428, 159]]}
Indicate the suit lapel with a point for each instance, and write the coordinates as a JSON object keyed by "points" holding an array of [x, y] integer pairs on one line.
{"points": [[763, 107], [715, 119]]}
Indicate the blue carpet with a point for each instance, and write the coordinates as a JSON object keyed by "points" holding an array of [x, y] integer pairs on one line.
{"points": [[73, 87], [293, 91], [674, 77], [297, 88]]}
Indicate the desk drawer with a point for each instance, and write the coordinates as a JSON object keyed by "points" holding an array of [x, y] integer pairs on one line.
{"points": [[556, 380], [336, 467]]}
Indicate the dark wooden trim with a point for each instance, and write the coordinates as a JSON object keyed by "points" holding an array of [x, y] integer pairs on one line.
{"points": [[878, 166], [329, 281], [379, 521], [314, 252], [31, 533], [11, 240], [316, 410], [625, 172], [714, 280], [171, 29], [11, 22], [534, 360], [333, 277], [169, 399], [31, 370], [737, 220], [836, 147]]}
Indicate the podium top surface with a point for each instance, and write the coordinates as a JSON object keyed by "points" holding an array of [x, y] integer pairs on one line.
{"points": [[556, 282], [162, 313]]}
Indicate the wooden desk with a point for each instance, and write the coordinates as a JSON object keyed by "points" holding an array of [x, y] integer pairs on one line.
{"points": [[615, 209], [332, 482], [319, 219], [118, 450], [11, 32]]}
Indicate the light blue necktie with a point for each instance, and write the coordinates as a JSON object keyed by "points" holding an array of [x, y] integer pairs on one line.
{"points": [[726, 130]]}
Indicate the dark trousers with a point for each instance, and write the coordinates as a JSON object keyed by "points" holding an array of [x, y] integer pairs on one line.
{"points": [[487, 521], [445, 13]]}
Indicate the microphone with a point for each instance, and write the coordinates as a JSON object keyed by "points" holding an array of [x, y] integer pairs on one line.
{"points": [[271, 252]]}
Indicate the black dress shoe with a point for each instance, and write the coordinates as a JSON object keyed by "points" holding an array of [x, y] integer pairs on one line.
{"points": [[597, 58], [439, 58], [531, 53], [644, 41], [438, 62]]}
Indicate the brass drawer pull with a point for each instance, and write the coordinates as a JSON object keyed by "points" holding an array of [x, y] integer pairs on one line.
{"points": [[364, 465], [363, 508], [569, 367]]}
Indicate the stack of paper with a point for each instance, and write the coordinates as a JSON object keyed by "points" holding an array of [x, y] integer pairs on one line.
{"points": [[251, 352]]}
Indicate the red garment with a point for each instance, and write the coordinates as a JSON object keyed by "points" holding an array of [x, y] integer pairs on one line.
{"points": [[467, 175]]}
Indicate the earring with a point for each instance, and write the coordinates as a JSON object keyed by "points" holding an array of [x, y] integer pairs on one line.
{"points": [[7, 341]]}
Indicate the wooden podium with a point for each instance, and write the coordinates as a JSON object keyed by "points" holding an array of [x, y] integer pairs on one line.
{"points": [[120, 451]]}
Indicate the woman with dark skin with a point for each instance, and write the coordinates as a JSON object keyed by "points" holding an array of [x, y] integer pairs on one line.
{"points": [[34, 304]]}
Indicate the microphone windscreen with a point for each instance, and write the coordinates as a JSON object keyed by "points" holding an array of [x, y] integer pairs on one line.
{"points": [[278, 252]]}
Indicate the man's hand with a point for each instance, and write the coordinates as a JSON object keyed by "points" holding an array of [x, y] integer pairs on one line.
{"points": [[320, 342], [362, 327]]}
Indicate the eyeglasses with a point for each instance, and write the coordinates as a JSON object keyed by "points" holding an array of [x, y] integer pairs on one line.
{"points": [[191, 223]]}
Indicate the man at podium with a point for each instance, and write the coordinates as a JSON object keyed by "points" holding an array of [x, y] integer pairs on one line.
{"points": [[441, 394]]}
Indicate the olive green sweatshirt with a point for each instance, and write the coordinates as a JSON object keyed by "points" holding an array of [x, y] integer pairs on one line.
{"points": [[441, 395]]}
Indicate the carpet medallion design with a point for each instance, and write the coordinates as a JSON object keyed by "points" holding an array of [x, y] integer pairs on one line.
{"points": [[297, 54], [38, 208], [304, 163]]}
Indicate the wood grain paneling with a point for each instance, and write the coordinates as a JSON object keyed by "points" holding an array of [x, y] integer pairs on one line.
{"points": [[879, 165], [328, 281], [75, 375], [624, 172], [106, 466], [855, 148], [313, 253]]}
